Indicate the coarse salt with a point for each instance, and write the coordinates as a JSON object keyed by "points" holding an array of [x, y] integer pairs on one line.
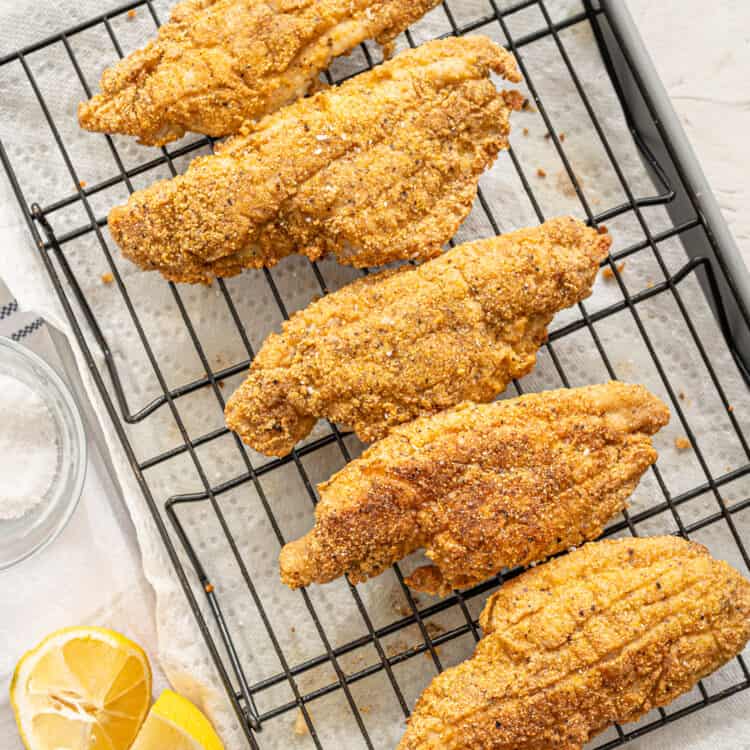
{"points": [[28, 448]]}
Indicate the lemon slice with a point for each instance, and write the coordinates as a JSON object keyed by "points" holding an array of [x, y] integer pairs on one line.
{"points": [[175, 723], [81, 689]]}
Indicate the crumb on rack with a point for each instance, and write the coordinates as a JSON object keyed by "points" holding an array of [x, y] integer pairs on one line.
{"points": [[730, 408], [547, 136], [562, 136], [602, 229], [527, 106], [682, 443], [609, 274], [132, 13], [107, 278], [365, 709], [649, 284], [541, 172], [82, 184], [401, 608], [221, 384], [681, 394], [300, 725], [525, 131]]}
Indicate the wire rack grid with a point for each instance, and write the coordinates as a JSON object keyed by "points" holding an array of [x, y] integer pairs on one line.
{"points": [[204, 590]]}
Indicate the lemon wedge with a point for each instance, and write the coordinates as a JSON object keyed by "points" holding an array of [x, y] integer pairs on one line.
{"points": [[81, 689], [175, 723]]}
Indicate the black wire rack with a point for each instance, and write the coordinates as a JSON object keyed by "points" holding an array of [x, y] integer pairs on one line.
{"points": [[203, 590]]}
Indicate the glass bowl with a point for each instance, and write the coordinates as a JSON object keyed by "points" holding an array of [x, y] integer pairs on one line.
{"points": [[27, 534]]}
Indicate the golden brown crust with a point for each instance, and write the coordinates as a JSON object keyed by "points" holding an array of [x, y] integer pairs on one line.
{"points": [[599, 636], [384, 167], [400, 344], [482, 488], [219, 63]]}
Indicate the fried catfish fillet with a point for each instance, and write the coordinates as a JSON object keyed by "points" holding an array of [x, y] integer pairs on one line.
{"points": [[410, 342], [218, 63], [384, 167], [482, 487], [599, 636]]}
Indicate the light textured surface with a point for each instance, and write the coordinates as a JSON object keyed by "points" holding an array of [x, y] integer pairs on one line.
{"points": [[709, 92], [34, 154]]}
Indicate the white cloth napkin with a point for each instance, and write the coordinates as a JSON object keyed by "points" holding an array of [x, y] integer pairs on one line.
{"points": [[180, 650]]}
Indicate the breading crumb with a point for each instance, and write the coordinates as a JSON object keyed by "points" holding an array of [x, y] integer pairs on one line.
{"points": [[402, 609], [82, 184], [609, 274], [682, 443], [300, 725], [132, 13], [681, 394], [107, 278], [541, 172], [730, 408], [602, 229], [525, 131], [365, 709], [561, 137]]}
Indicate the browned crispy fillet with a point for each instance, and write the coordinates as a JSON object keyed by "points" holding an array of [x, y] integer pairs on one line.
{"points": [[400, 344], [602, 635], [384, 167], [482, 487], [218, 63]]}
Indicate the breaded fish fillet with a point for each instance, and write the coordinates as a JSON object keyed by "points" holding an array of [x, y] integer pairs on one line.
{"points": [[482, 487], [218, 63], [599, 636], [400, 344], [384, 167]]}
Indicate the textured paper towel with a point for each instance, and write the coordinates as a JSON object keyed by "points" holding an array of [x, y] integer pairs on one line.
{"points": [[44, 177]]}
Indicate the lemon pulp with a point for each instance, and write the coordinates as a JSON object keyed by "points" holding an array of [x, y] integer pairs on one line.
{"points": [[175, 723], [81, 689]]}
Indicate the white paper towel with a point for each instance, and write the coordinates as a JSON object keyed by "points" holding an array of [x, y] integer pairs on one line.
{"points": [[45, 178]]}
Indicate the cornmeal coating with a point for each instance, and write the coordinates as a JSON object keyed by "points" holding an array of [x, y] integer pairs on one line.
{"points": [[602, 635], [219, 63], [482, 487], [383, 167], [414, 341]]}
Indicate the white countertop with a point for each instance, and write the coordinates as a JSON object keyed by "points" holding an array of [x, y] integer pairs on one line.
{"points": [[702, 53]]}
